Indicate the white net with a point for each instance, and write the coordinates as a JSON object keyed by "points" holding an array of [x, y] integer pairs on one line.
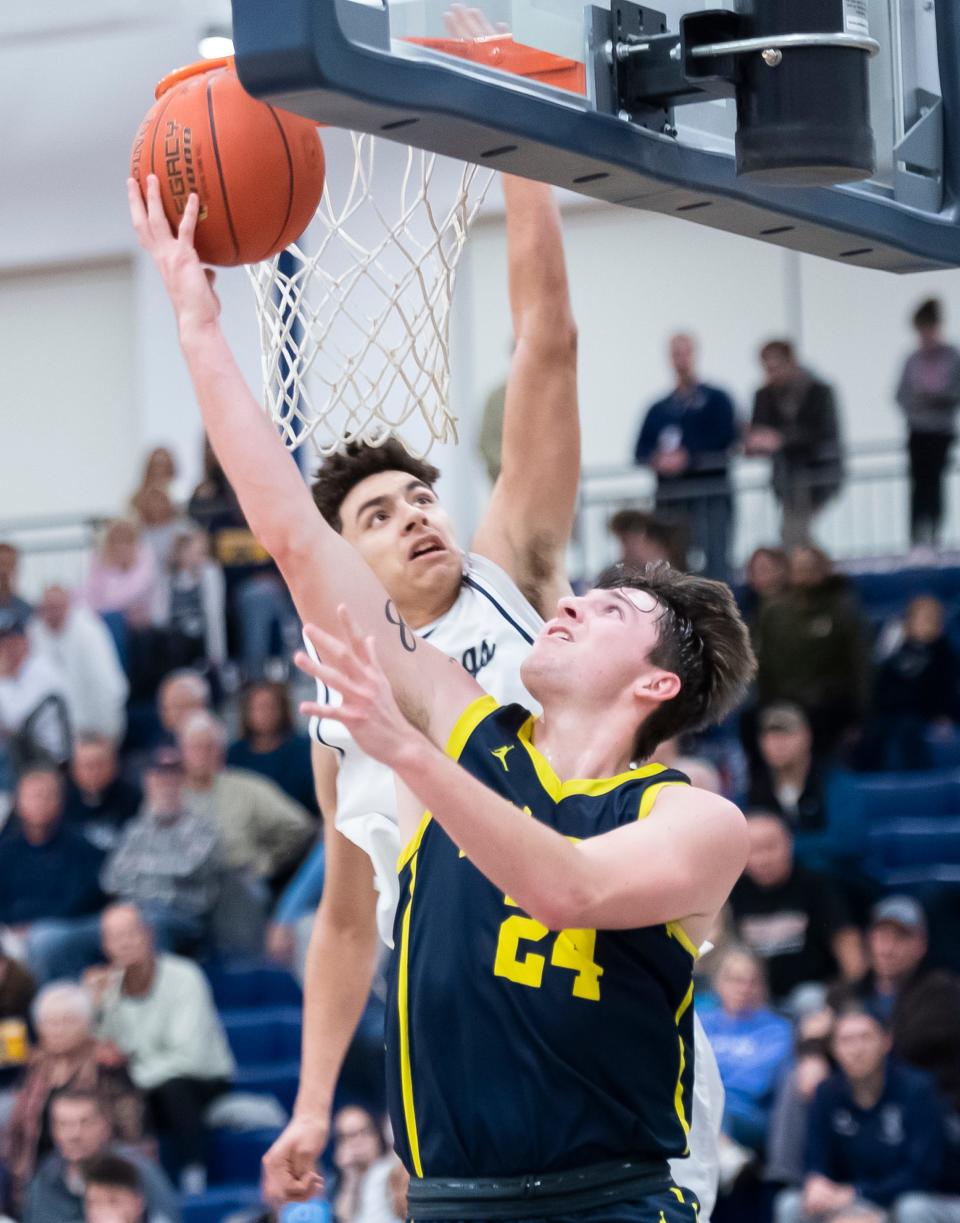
{"points": [[355, 320]]}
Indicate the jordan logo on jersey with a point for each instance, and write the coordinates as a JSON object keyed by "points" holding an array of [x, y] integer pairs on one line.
{"points": [[477, 657], [501, 755]]}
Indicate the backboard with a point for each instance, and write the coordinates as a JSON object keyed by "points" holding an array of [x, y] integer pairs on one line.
{"points": [[711, 111]]}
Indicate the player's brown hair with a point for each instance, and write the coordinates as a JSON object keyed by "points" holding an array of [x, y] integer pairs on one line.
{"points": [[702, 639], [343, 471]]}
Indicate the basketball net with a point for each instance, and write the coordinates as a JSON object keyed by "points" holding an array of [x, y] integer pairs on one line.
{"points": [[355, 319]]}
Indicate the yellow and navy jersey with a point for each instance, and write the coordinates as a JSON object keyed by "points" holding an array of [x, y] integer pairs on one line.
{"points": [[514, 1049]]}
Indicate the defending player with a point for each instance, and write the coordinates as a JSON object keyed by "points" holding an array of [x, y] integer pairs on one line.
{"points": [[270, 500]]}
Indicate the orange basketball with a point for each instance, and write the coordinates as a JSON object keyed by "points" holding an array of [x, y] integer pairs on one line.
{"points": [[257, 170]]}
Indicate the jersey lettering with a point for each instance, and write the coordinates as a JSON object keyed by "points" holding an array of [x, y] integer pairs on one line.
{"points": [[477, 657], [572, 949]]}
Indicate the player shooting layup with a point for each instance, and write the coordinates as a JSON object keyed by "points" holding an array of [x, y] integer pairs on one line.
{"points": [[185, 317]]}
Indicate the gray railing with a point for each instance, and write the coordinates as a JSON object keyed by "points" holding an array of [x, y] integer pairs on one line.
{"points": [[869, 519]]}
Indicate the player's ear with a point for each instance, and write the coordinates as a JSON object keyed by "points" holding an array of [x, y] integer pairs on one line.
{"points": [[657, 685]]}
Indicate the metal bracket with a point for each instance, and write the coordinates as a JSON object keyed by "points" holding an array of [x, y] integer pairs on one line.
{"points": [[918, 157]]}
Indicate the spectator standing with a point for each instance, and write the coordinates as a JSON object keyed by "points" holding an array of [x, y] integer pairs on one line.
{"points": [[686, 438], [66, 1058], [752, 1044], [99, 802], [159, 523], [787, 778], [491, 431], [916, 688], [928, 395], [160, 471], [793, 918], [270, 745], [49, 882], [263, 832], [874, 1132], [795, 422], [167, 860], [13, 608], [191, 604], [34, 723], [79, 645], [81, 1133], [157, 1009], [812, 650]]}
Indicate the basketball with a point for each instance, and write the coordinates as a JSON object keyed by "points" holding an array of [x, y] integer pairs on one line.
{"points": [[258, 170]]}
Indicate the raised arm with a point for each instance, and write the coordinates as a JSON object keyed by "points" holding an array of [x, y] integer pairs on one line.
{"points": [[320, 569], [678, 863], [530, 516]]}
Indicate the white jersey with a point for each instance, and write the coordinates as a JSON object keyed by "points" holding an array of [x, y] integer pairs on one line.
{"points": [[489, 630]]}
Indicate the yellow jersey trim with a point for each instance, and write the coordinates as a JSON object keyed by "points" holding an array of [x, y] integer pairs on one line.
{"points": [[413, 844], [649, 796], [678, 1093], [406, 1072], [593, 787], [674, 929], [463, 728], [467, 723]]}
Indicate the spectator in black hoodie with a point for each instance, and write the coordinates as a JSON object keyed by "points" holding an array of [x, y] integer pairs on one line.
{"points": [[99, 801], [812, 649], [916, 687]]}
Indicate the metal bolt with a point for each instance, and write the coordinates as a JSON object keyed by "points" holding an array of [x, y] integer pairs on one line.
{"points": [[626, 51], [772, 57], [608, 51], [676, 53], [669, 130], [625, 115]]}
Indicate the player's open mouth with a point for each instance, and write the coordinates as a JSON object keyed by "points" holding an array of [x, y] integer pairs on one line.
{"points": [[559, 633], [426, 547]]}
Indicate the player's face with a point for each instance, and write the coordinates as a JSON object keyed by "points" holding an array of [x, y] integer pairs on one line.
{"points": [[397, 525], [598, 643]]}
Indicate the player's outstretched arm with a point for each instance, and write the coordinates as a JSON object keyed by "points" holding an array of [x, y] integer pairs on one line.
{"points": [[527, 526], [341, 962], [320, 569], [680, 862]]}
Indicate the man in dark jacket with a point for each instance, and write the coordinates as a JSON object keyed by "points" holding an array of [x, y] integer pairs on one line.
{"points": [[686, 438], [49, 881], [795, 422], [875, 1131], [812, 649]]}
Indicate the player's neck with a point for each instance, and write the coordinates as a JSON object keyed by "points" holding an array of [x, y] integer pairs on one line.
{"points": [[420, 612], [578, 742]]}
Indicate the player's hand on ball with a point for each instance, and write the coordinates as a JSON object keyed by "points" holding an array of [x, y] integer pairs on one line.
{"points": [[289, 1168], [188, 283], [369, 709]]}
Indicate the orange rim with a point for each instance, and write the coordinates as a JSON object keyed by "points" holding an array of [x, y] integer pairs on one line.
{"points": [[189, 70]]}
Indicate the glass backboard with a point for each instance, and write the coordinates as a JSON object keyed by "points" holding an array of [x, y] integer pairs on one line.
{"points": [[537, 87]]}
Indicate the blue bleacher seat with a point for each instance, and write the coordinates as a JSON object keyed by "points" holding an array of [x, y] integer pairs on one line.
{"points": [[914, 849], [218, 1204], [264, 1035], [245, 984], [278, 1079], [234, 1157]]}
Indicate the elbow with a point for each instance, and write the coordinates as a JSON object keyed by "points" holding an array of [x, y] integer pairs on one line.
{"points": [[553, 334], [567, 906]]}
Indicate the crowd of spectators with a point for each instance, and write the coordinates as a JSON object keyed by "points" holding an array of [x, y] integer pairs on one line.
{"points": [[157, 813], [156, 799]]}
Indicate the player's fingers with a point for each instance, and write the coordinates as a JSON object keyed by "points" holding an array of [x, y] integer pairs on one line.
{"points": [[477, 23], [138, 212], [156, 218], [351, 631], [327, 646], [326, 672], [188, 222]]}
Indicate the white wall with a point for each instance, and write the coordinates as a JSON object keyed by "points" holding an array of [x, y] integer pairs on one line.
{"points": [[81, 84]]}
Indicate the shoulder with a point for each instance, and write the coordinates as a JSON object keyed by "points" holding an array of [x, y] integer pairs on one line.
{"points": [[910, 1082], [177, 969]]}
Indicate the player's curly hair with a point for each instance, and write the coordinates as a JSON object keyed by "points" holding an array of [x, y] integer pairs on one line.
{"points": [[702, 639], [342, 471]]}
